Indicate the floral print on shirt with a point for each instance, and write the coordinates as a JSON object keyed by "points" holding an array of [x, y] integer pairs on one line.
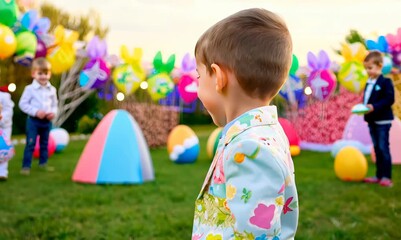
{"points": [[249, 191]]}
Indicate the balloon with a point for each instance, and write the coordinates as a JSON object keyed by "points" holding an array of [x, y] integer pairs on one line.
{"points": [[188, 64], [188, 88], [96, 48], [62, 55], [292, 90], [387, 65], [354, 52], [26, 48], [294, 65], [61, 138], [159, 86], [394, 42], [381, 45], [188, 84], [41, 49], [290, 132], [295, 150], [352, 76], [8, 12], [94, 74], [126, 79], [350, 164], [51, 147], [30, 20], [134, 60], [321, 79], [8, 43]]}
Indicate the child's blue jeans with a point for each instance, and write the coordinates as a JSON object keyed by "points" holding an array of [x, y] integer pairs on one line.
{"points": [[36, 127], [380, 134]]}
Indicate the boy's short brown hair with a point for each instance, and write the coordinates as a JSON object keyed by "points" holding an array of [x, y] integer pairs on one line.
{"points": [[375, 56], [255, 45], [41, 64]]}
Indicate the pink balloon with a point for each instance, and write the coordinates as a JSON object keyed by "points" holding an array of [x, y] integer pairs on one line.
{"points": [[323, 83], [51, 147], [41, 50], [188, 88], [289, 131]]}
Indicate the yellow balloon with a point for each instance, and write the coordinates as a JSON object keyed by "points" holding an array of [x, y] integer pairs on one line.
{"points": [[350, 164], [354, 52], [8, 44], [352, 76], [62, 56], [295, 150]]}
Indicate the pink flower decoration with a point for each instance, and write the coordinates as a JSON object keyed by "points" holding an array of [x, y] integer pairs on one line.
{"points": [[263, 216]]}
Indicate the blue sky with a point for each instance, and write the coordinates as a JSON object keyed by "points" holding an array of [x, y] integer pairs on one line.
{"points": [[173, 26]]}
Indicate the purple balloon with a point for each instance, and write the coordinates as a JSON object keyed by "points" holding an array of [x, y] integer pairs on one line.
{"points": [[95, 74], [41, 50]]}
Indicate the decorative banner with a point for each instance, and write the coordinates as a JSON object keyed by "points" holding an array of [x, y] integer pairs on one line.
{"points": [[96, 72], [161, 84], [8, 12], [352, 74], [8, 43], [321, 80], [188, 84], [394, 42], [62, 55]]}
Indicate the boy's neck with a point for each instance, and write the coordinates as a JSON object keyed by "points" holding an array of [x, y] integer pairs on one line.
{"points": [[235, 109]]}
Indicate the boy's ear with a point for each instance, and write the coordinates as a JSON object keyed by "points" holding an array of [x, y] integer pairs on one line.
{"points": [[221, 77]]}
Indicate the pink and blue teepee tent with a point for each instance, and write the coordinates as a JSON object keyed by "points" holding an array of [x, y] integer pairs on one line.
{"points": [[116, 153]]}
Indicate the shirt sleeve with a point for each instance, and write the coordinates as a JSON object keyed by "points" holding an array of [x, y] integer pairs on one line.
{"points": [[25, 103], [54, 103], [7, 111], [255, 181]]}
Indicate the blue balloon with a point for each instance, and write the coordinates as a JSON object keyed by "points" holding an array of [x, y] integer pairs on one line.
{"points": [[293, 90]]}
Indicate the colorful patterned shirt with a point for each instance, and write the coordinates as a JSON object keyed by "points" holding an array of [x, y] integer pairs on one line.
{"points": [[249, 191]]}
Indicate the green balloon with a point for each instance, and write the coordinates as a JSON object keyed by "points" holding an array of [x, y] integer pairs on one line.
{"points": [[26, 44], [295, 65], [8, 12]]}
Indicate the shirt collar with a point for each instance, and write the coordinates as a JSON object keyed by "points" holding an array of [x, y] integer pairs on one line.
{"points": [[266, 115], [37, 85], [371, 81]]}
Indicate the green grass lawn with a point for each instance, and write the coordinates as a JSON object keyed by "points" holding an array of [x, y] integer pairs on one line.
{"points": [[48, 205]]}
